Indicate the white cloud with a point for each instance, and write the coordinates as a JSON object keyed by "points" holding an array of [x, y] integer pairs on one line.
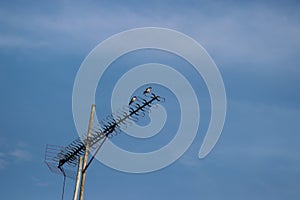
{"points": [[21, 155], [20, 41], [15, 155], [251, 34], [3, 164]]}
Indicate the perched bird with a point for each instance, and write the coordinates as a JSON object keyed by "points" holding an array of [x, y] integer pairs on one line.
{"points": [[148, 90], [133, 99]]}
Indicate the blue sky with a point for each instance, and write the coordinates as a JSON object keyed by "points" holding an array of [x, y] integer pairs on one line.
{"points": [[255, 45]]}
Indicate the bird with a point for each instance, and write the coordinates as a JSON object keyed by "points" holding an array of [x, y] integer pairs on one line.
{"points": [[133, 99], [148, 90]]}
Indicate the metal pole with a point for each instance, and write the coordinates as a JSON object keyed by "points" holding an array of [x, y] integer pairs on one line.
{"points": [[78, 178], [86, 153]]}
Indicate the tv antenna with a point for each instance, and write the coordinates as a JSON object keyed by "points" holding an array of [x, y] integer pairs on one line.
{"points": [[63, 160]]}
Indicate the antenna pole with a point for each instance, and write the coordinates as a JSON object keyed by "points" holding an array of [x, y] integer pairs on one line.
{"points": [[56, 157], [86, 152], [78, 178]]}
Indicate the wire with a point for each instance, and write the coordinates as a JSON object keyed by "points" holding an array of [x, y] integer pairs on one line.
{"points": [[64, 183], [90, 161]]}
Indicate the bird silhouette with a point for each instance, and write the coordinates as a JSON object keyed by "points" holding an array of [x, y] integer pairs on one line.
{"points": [[133, 99], [148, 90]]}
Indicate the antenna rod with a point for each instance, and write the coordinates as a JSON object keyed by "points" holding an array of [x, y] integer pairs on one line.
{"points": [[86, 152]]}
